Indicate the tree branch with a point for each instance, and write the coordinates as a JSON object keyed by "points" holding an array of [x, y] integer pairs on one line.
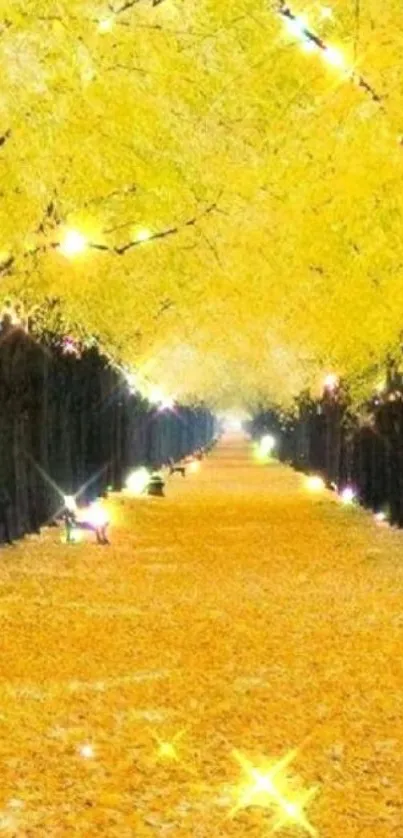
{"points": [[5, 267], [128, 4], [162, 234], [51, 215], [4, 137], [284, 10]]}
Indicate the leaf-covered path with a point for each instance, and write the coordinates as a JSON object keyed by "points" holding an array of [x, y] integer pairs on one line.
{"points": [[237, 613]]}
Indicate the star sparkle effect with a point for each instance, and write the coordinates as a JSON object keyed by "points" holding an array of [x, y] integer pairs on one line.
{"points": [[299, 28], [73, 243], [167, 750], [274, 790]]}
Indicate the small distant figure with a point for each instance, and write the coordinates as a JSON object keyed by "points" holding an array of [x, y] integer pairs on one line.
{"points": [[156, 485], [70, 523], [176, 468]]}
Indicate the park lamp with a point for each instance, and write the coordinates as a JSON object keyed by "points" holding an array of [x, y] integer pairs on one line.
{"points": [[137, 481], [266, 445], [348, 495], [314, 483]]}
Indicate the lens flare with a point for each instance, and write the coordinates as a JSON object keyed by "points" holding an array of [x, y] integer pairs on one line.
{"points": [[273, 789], [331, 381], [267, 444], [95, 515], [314, 483], [72, 244], [70, 503], [348, 495], [334, 57]]}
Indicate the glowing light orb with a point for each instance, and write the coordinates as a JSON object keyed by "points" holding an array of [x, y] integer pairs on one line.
{"points": [[106, 24], [334, 57], [314, 483], [167, 403], [155, 395], [380, 517], [70, 503], [96, 515], [194, 466], [326, 12], [73, 243], [266, 445], [138, 481], [142, 236], [348, 495], [296, 26], [308, 45], [331, 381], [87, 751]]}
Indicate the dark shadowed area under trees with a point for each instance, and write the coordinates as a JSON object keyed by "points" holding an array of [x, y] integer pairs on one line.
{"points": [[68, 422]]}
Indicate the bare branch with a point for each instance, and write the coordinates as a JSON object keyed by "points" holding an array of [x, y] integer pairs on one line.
{"points": [[284, 10], [4, 137], [5, 267], [162, 234], [165, 306]]}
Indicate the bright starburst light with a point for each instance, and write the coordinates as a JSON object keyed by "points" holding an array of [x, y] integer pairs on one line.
{"points": [[73, 243], [272, 789]]}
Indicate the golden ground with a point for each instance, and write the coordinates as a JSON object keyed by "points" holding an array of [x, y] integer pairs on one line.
{"points": [[239, 612]]}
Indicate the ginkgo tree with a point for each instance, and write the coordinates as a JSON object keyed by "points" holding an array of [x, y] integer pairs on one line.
{"points": [[214, 190]]}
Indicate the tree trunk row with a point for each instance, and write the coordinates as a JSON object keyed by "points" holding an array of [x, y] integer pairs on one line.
{"points": [[69, 424]]}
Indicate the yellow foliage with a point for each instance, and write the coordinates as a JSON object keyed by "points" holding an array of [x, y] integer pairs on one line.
{"points": [[271, 182]]}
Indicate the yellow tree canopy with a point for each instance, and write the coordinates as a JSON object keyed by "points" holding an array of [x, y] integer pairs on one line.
{"points": [[224, 179]]}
